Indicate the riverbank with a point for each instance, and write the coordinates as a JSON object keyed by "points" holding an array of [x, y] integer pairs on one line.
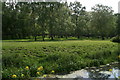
{"points": [[107, 72]]}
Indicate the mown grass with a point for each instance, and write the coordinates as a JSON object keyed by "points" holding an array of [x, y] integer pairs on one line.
{"points": [[60, 56]]}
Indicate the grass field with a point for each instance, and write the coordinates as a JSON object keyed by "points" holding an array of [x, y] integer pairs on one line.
{"points": [[60, 56]]}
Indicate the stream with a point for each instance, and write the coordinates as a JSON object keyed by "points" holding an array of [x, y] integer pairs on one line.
{"points": [[104, 72]]}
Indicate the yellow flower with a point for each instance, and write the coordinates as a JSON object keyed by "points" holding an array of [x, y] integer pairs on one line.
{"points": [[14, 76], [38, 73], [119, 56], [27, 68], [40, 68], [37, 79], [22, 75], [52, 71], [118, 77], [110, 70], [44, 76]]}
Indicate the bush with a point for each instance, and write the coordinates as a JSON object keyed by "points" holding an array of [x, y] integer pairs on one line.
{"points": [[116, 39]]}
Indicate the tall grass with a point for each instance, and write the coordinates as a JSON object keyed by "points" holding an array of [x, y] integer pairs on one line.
{"points": [[60, 56]]}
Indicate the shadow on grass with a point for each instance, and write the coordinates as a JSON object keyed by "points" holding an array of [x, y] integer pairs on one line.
{"points": [[37, 40], [48, 40]]}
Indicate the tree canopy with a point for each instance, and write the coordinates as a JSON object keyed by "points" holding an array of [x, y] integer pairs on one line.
{"points": [[56, 19]]}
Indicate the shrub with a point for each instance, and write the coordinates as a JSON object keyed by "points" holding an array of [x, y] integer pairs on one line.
{"points": [[116, 39]]}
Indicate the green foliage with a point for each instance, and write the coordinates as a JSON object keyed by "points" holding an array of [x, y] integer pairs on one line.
{"points": [[55, 19], [118, 23], [116, 39], [60, 56], [103, 21]]}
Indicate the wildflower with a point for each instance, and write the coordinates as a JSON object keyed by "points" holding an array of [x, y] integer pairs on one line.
{"points": [[22, 75], [40, 68], [38, 73], [37, 79], [119, 56], [118, 77], [52, 71], [14, 76], [27, 68], [110, 70], [44, 76]]}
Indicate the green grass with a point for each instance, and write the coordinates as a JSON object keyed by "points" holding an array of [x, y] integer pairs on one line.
{"points": [[60, 56]]}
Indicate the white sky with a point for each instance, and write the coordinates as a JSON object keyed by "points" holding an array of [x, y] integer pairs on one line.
{"points": [[90, 3]]}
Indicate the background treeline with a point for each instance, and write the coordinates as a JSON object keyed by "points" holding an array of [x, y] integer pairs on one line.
{"points": [[55, 19]]}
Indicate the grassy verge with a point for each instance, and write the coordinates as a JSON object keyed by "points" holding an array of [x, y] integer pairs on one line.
{"points": [[60, 56]]}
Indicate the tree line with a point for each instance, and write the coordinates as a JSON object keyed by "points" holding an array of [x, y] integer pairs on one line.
{"points": [[55, 19]]}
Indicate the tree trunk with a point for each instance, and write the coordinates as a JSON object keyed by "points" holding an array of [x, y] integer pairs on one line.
{"points": [[28, 37], [66, 37], [35, 38], [103, 38], [61, 36], [43, 37], [52, 38]]}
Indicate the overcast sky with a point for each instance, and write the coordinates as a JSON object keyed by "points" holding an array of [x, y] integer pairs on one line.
{"points": [[90, 3]]}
